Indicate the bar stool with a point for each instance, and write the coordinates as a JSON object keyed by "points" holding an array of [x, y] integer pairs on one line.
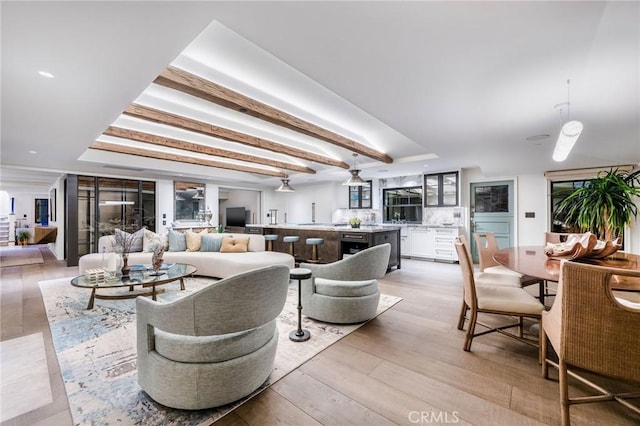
{"points": [[314, 243], [270, 238], [291, 239]]}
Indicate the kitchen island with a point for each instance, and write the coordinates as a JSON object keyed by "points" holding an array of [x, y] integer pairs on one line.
{"points": [[339, 241]]}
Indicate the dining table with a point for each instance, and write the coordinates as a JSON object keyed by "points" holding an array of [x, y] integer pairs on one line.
{"points": [[532, 260]]}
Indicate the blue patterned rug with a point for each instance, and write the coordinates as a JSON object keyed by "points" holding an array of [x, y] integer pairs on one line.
{"points": [[97, 355]]}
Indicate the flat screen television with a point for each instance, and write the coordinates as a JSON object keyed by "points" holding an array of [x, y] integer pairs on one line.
{"points": [[236, 216]]}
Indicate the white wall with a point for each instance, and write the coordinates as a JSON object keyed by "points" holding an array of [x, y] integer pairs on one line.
{"points": [[328, 197], [533, 196], [249, 199], [165, 199], [57, 248]]}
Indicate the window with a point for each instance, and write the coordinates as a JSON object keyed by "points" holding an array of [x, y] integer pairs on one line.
{"points": [[441, 189], [189, 200], [42, 211], [402, 204], [492, 199], [360, 196], [559, 191]]}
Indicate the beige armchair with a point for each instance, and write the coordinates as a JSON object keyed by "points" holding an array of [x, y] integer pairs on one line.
{"points": [[590, 329], [214, 346], [345, 291]]}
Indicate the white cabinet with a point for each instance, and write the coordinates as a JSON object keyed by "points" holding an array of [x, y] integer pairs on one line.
{"points": [[405, 241], [422, 241], [433, 243], [444, 243]]}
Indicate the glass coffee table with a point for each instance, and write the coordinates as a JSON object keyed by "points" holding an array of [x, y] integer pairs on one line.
{"points": [[143, 279]]}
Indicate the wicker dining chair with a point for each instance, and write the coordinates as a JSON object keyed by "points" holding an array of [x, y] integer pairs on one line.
{"points": [[487, 246], [590, 329], [497, 300]]}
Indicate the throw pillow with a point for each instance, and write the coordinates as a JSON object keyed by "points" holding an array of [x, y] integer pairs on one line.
{"points": [[234, 245], [211, 242], [177, 241], [194, 239], [134, 240], [151, 240]]}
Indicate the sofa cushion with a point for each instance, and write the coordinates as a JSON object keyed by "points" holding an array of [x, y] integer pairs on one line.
{"points": [[194, 239], [211, 242], [234, 245], [136, 239], [177, 241], [151, 240], [182, 348], [338, 288]]}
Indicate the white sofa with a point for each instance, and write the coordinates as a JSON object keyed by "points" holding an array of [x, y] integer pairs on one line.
{"points": [[211, 264]]}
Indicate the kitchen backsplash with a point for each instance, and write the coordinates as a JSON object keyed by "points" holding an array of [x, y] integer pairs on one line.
{"points": [[444, 216]]}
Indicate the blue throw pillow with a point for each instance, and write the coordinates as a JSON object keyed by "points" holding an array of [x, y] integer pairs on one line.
{"points": [[211, 242], [177, 241]]}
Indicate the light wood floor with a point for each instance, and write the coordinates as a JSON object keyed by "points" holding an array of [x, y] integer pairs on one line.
{"points": [[405, 367]]}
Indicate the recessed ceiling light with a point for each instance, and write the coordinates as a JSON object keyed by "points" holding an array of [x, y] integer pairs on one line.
{"points": [[46, 74], [33, 152], [539, 137]]}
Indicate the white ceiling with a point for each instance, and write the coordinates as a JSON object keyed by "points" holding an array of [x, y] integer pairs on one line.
{"points": [[464, 82]]}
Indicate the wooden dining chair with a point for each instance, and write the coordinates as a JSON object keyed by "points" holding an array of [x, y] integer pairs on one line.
{"points": [[590, 329], [496, 300], [487, 246], [484, 279]]}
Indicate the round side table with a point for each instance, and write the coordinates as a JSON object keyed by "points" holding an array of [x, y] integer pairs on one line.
{"points": [[299, 274]]}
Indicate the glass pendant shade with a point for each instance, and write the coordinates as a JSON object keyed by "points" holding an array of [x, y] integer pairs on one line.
{"points": [[567, 139]]}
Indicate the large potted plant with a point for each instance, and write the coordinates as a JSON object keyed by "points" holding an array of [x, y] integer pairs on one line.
{"points": [[604, 205], [24, 237]]}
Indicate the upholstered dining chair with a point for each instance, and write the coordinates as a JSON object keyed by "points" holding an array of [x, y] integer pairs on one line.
{"points": [[487, 246], [484, 279], [214, 346], [345, 291], [497, 300], [590, 329]]}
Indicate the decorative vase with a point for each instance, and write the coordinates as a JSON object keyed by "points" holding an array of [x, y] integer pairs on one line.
{"points": [[156, 260], [207, 216], [125, 265], [355, 225]]}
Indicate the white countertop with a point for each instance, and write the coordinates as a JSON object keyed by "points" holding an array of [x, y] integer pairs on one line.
{"points": [[327, 227]]}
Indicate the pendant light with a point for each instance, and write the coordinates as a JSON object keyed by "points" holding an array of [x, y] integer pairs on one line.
{"points": [[569, 134], [355, 179], [199, 195], [285, 187]]}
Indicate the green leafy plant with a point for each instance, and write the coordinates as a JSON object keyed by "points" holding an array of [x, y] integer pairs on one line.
{"points": [[604, 205], [354, 221], [24, 236]]}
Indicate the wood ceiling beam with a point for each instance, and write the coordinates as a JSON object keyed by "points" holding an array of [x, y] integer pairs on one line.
{"points": [[201, 149], [162, 117], [141, 152], [178, 79]]}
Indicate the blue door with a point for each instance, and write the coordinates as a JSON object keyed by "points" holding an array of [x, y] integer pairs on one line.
{"points": [[492, 211]]}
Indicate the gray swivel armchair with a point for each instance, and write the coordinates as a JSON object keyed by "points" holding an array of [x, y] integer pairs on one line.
{"points": [[214, 346], [345, 291]]}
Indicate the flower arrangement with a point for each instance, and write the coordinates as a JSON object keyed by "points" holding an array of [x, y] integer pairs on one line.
{"points": [[354, 222]]}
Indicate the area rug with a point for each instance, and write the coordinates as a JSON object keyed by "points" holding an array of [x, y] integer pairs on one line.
{"points": [[97, 355], [20, 256]]}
